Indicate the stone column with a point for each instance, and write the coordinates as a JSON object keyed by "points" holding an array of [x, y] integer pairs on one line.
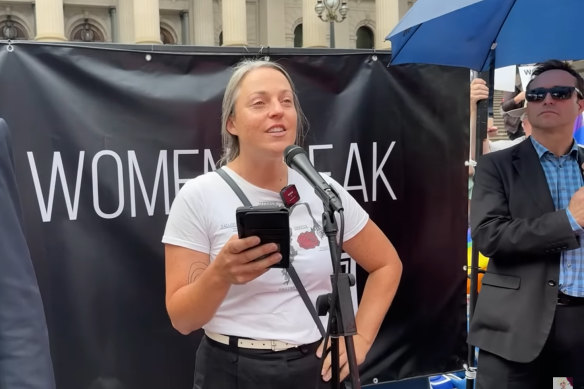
{"points": [[50, 23], [114, 24], [275, 23], [126, 21], [147, 22], [185, 29], [234, 23], [387, 14], [314, 30], [203, 22]]}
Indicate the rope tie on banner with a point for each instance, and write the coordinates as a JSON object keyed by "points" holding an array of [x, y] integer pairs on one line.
{"points": [[267, 56], [9, 47], [470, 373], [373, 54]]}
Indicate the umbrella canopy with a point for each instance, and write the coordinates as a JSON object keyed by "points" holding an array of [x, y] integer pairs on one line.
{"points": [[471, 33]]}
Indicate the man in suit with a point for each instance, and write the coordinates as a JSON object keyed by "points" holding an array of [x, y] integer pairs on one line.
{"points": [[25, 360], [527, 214]]}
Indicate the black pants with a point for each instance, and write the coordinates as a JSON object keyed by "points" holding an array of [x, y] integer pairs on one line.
{"points": [[562, 356], [219, 366]]}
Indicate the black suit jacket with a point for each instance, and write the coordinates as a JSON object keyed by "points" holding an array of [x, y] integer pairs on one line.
{"points": [[25, 360], [515, 224]]}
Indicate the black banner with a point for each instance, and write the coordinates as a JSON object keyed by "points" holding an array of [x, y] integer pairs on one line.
{"points": [[104, 136]]}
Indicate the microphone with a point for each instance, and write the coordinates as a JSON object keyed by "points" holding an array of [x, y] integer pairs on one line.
{"points": [[296, 158]]}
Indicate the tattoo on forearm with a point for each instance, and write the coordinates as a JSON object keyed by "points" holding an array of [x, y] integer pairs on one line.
{"points": [[195, 271]]}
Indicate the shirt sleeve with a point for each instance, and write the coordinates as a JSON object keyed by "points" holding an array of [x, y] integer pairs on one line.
{"points": [[187, 221], [574, 224], [355, 216]]}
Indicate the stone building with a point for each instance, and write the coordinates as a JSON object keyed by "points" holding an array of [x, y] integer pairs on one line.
{"points": [[256, 23]]}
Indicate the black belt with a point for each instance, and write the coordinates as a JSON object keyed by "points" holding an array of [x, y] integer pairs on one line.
{"points": [[564, 299]]}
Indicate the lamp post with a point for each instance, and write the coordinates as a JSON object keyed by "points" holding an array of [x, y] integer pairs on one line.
{"points": [[86, 34], [331, 7], [9, 31]]}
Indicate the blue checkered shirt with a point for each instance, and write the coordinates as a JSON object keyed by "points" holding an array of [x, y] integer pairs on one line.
{"points": [[564, 178]]}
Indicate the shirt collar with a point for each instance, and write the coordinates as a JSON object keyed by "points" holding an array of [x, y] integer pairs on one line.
{"points": [[541, 150]]}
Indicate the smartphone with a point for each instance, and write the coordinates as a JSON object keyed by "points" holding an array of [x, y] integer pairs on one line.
{"points": [[271, 224]]}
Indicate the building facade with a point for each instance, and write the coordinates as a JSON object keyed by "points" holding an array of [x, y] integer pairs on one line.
{"points": [[256, 23]]}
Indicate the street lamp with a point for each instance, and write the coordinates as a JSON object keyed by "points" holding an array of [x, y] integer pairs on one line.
{"points": [[86, 34], [331, 7], [9, 31]]}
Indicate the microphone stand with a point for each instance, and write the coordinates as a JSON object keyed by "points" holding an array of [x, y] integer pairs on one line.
{"points": [[339, 305]]}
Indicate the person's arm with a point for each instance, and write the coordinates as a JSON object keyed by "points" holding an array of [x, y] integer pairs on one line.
{"points": [[512, 101], [478, 91], [497, 232], [575, 211], [486, 147], [25, 359], [374, 253], [195, 287], [489, 145]]}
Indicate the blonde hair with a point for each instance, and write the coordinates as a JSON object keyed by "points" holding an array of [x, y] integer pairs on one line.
{"points": [[230, 142], [563, 380]]}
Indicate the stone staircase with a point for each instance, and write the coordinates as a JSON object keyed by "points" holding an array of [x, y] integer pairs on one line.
{"points": [[497, 98]]}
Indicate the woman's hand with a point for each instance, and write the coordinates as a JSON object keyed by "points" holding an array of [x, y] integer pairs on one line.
{"points": [[243, 260], [362, 347], [478, 91]]}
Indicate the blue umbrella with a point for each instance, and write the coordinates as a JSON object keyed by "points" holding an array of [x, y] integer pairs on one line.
{"points": [[473, 33]]}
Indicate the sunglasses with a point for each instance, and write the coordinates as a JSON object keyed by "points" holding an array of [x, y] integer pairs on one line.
{"points": [[557, 93]]}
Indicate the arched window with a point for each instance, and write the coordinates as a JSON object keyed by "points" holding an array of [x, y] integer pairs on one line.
{"points": [[364, 38], [10, 29], [87, 32], [166, 37], [298, 36]]}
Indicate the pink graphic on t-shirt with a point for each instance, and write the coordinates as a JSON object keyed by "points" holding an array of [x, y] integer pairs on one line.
{"points": [[308, 240]]}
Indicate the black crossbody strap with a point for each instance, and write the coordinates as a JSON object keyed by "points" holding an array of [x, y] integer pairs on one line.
{"points": [[298, 283], [291, 271], [234, 186]]}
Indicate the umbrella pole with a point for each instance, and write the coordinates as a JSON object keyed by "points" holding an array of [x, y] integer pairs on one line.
{"points": [[481, 134]]}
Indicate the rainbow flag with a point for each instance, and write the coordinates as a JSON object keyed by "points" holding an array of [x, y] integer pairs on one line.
{"points": [[483, 261], [579, 129]]}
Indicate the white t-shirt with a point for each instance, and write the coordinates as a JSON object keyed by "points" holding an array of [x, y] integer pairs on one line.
{"points": [[505, 143], [202, 218]]}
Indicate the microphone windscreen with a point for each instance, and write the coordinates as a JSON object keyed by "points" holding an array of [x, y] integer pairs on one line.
{"points": [[290, 152]]}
